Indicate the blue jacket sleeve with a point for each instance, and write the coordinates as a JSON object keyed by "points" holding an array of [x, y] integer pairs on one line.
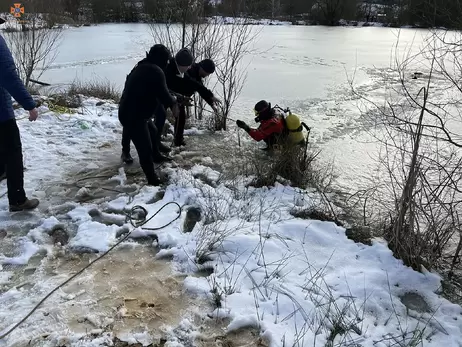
{"points": [[9, 78]]}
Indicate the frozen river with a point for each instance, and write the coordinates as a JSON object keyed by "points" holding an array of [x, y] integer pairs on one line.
{"points": [[305, 68]]}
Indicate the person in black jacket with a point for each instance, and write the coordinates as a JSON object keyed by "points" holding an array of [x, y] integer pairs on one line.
{"points": [[182, 61], [187, 81], [177, 83], [184, 78], [145, 88]]}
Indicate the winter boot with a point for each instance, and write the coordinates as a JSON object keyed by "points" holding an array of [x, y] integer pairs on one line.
{"points": [[163, 148], [179, 143], [126, 158], [28, 205], [161, 159], [155, 181]]}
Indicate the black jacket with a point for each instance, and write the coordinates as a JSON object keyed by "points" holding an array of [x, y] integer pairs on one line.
{"points": [[188, 84], [145, 87]]}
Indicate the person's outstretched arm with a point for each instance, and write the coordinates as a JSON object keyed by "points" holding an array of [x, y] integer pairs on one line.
{"points": [[9, 78], [265, 130], [199, 87]]}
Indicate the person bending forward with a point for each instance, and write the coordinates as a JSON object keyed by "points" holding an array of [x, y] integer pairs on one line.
{"points": [[145, 88]]}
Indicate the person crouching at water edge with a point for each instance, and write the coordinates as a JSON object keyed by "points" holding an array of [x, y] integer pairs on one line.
{"points": [[145, 88], [271, 129]]}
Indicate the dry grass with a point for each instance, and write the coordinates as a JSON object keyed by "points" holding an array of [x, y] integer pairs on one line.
{"points": [[70, 96], [97, 89], [292, 163]]}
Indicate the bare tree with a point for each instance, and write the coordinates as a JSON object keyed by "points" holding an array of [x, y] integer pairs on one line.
{"points": [[367, 11], [231, 73], [210, 38], [72, 7], [419, 200], [331, 11], [34, 45]]}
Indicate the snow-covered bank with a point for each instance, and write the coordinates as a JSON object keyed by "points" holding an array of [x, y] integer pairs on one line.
{"points": [[247, 21], [58, 143], [298, 281], [15, 24], [12, 23], [266, 21]]}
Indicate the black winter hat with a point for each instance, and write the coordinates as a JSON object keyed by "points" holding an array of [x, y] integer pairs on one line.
{"points": [[263, 110], [207, 65], [262, 105], [184, 57], [159, 55]]}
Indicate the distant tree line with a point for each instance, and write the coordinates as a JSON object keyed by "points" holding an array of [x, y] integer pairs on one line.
{"points": [[422, 13]]}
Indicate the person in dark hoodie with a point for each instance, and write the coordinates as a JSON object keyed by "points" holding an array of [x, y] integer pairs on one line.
{"points": [[11, 159], [160, 114], [185, 78], [145, 89], [176, 82]]}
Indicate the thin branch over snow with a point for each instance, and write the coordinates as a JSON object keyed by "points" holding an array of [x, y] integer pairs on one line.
{"points": [[34, 47]]}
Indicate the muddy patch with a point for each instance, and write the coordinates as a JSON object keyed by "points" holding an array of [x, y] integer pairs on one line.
{"points": [[213, 334], [414, 301], [13, 270], [104, 179], [129, 290]]}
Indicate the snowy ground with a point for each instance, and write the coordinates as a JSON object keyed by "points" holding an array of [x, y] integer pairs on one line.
{"points": [[12, 24], [298, 282]]}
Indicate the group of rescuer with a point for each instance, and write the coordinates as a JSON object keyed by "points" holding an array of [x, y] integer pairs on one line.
{"points": [[161, 81], [158, 82]]}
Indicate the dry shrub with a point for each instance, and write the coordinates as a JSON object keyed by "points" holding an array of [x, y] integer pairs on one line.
{"points": [[293, 163], [33, 89], [415, 199], [101, 89], [70, 96]]}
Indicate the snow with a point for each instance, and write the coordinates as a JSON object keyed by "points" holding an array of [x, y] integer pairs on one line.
{"points": [[212, 175], [193, 131], [5, 277], [288, 277], [28, 249], [248, 21], [39, 233], [12, 23], [95, 236]]}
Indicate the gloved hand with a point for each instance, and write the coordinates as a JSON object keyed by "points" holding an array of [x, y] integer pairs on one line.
{"points": [[184, 100], [215, 100], [242, 125], [215, 108]]}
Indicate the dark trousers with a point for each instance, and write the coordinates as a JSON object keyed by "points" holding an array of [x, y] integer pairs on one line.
{"points": [[160, 117], [11, 161], [143, 134], [179, 126]]}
